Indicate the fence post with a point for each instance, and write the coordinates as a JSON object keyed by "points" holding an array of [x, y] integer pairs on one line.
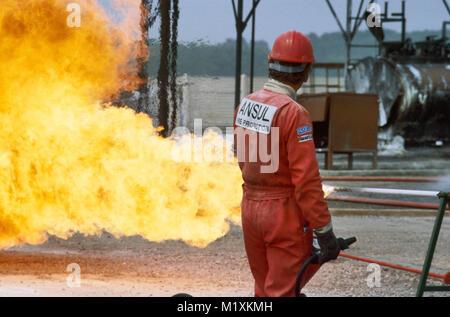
{"points": [[153, 101], [245, 87], [185, 110]]}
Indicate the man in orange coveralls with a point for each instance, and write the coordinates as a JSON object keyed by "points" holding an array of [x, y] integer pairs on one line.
{"points": [[283, 202]]}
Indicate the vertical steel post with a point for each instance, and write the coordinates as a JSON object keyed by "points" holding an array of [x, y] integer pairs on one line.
{"points": [[403, 22], [141, 62], [163, 72], [348, 40], [252, 57], [240, 27], [239, 30], [432, 245], [339, 79]]}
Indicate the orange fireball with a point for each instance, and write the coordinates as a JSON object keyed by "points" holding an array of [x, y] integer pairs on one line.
{"points": [[68, 162]]}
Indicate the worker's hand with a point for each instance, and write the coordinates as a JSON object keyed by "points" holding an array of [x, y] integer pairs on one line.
{"points": [[329, 246]]}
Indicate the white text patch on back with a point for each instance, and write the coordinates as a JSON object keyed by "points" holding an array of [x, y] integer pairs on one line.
{"points": [[255, 116]]}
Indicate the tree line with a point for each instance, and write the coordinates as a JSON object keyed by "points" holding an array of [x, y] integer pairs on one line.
{"points": [[201, 58]]}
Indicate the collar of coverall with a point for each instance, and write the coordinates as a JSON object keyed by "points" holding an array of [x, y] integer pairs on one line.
{"points": [[279, 87]]}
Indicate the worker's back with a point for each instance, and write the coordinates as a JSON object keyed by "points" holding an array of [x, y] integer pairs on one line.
{"points": [[275, 150], [262, 124]]}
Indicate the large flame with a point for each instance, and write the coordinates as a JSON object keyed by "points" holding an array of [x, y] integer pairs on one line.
{"points": [[69, 163]]}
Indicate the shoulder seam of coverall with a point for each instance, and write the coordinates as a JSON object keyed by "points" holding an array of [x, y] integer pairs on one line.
{"points": [[299, 107]]}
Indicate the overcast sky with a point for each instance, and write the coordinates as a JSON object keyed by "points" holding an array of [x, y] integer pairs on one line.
{"points": [[213, 20]]}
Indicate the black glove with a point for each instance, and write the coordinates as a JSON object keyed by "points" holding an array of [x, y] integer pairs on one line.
{"points": [[329, 246]]}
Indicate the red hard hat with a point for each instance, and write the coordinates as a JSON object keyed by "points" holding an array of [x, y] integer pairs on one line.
{"points": [[292, 47]]}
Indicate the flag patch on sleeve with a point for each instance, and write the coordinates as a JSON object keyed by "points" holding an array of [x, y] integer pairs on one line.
{"points": [[305, 137], [304, 129], [304, 133]]}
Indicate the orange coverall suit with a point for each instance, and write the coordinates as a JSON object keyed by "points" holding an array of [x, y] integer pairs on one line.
{"points": [[279, 209]]}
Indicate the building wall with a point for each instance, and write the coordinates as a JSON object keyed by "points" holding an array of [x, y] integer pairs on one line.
{"points": [[212, 99]]}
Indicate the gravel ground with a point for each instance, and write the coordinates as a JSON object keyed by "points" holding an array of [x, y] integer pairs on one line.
{"points": [[399, 240], [135, 267]]}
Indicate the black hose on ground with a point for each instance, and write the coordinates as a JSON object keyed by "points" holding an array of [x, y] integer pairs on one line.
{"points": [[343, 245]]}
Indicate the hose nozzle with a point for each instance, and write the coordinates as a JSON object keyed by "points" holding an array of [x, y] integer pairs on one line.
{"points": [[344, 244]]}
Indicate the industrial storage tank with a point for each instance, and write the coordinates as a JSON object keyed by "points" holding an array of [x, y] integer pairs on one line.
{"points": [[414, 98], [412, 80]]}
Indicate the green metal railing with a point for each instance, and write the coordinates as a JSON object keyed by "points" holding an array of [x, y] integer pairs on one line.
{"points": [[423, 287]]}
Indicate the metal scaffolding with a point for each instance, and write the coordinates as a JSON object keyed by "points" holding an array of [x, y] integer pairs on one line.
{"points": [[350, 30], [241, 24], [352, 24]]}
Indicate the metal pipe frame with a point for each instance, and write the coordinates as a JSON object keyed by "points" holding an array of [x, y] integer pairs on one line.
{"points": [[241, 24], [422, 286], [381, 179], [383, 202], [350, 30], [392, 265], [446, 6], [389, 191]]}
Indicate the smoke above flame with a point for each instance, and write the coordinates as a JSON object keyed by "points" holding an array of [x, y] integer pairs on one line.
{"points": [[71, 163]]}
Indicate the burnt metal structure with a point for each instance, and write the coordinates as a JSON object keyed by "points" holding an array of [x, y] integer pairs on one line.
{"points": [[241, 24], [413, 96], [411, 79]]}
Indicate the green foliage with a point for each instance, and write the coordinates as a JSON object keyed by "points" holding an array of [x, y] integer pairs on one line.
{"points": [[204, 59], [201, 58]]}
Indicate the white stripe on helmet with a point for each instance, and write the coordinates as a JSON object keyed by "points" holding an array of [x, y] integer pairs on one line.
{"points": [[275, 65]]}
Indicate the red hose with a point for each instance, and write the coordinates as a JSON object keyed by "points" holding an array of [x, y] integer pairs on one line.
{"points": [[445, 277], [380, 179], [386, 202]]}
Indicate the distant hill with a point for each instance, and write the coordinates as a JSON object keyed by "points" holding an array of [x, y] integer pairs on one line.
{"points": [[202, 58]]}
